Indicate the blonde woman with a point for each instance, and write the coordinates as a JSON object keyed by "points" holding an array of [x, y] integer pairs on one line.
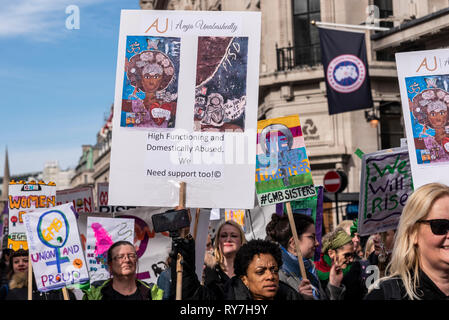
{"points": [[419, 266], [228, 240]]}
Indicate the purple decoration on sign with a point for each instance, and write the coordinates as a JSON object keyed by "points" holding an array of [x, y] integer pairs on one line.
{"points": [[319, 221], [280, 209]]}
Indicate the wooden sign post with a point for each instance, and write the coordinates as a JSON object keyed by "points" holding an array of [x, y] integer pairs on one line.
{"points": [[65, 293], [296, 239]]}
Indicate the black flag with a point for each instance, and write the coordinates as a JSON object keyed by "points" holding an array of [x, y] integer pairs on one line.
{"points": [[343, 55]]}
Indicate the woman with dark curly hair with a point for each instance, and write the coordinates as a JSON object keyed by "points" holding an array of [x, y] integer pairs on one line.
{"points": [[256, 269]]}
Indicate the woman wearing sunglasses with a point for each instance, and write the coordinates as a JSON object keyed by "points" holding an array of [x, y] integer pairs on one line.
{"points": [[419, 267]]}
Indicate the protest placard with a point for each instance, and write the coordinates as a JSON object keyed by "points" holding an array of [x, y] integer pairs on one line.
{"points": [[55, 248], [24, 198], [186, 101], [282, 167], [152, 248], [200, 228], [101, 234], [81, 198], [102, 200], [423, 81], [386, 183]]}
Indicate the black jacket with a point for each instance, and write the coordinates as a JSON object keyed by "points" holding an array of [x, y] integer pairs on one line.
{"points": [[393, 289], [232, 289], [22, 294], [18, 290]]}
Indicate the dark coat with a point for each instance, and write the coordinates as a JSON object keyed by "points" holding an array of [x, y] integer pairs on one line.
{"points": [[394, 289]]}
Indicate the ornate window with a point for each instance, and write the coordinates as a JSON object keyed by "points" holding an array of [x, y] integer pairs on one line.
{"points": [[307, 42]]}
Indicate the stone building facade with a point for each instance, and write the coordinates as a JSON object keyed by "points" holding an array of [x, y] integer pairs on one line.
{"points": [[93, 165]]}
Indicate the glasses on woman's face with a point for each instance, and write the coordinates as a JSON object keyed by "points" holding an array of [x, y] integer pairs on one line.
{"points": [[439, 227], [120, 258]]}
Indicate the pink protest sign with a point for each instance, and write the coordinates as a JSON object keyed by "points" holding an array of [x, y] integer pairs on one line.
{"points": [[101, 234]]}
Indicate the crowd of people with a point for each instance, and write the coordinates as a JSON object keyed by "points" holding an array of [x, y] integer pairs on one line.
{"points": [[408, 263]]}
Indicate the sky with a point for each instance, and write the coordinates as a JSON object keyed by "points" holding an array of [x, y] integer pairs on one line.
{"points": [[57, 78]]}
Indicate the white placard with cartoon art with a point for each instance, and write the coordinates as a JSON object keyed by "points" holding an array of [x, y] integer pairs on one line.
{"points": [[186, 102]]}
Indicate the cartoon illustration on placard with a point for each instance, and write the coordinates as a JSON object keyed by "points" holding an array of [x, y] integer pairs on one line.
{"points": [[282, 166], [220, 93], [150, 88], [55, 248], [428, 98]]}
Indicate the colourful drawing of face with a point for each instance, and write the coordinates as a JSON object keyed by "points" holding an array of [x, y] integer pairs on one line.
{"points": [[150, 71], [77, 263], [152, 77]]}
